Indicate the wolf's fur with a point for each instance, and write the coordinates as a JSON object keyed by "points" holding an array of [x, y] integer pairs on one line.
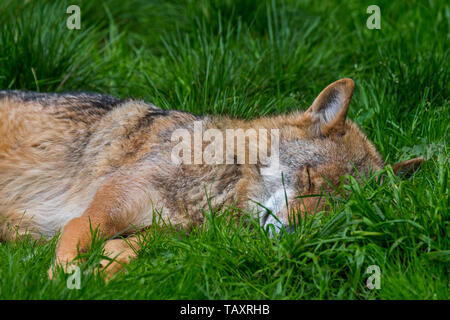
{"points": [[72, 161]]}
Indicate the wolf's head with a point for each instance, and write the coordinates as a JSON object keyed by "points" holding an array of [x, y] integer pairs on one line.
{"points": [[317, 148]]}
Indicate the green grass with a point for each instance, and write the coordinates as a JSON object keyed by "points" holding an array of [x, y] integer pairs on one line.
{"points": [[247, 59]]}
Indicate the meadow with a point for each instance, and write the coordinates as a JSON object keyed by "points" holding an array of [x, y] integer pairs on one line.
{"points": [[247, 59]]}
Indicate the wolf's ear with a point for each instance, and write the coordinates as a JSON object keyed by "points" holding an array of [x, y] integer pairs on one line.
{"points": [[408, 167], [329, 109]]}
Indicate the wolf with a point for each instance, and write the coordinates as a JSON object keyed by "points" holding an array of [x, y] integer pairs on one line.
{"points": [[74, 162]]}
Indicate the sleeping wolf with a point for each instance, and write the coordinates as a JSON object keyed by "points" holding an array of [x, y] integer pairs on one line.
{"points": [[80, 161]]}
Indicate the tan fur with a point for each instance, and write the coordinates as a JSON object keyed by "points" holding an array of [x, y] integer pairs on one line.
{"points": [[85, 161]]}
